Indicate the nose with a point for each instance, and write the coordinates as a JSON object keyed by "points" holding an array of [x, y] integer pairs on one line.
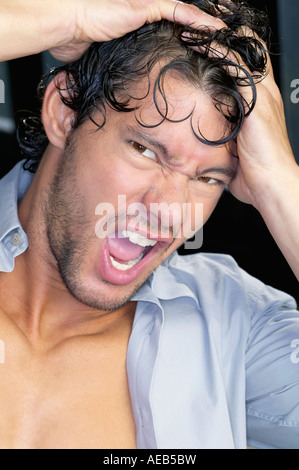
{"points": [[165, 200]]}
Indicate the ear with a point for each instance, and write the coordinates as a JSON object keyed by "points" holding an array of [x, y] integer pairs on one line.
{"points": [[56, 116]]}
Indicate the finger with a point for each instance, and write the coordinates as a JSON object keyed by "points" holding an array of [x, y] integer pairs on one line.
{"points": [[247, 32], [268, 80], [150, 11], [187, 14]]}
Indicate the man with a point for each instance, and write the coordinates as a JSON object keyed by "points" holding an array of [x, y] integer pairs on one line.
{"points": [[110, 342]]}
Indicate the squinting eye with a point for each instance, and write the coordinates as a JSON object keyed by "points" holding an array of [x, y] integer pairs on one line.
{"points": [[144, 151], [207, 180]]}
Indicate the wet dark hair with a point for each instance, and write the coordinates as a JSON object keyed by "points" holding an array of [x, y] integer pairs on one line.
{"points": [[106, 73]]}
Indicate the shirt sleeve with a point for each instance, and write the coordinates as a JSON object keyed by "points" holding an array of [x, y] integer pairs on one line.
{"points": [[272, 372]]}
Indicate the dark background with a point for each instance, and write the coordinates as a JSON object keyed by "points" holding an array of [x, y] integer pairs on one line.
{"points": [[234, 228]]}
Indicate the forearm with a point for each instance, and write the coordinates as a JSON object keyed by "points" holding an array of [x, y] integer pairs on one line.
{"points": [[30, 26], [280, 210]]}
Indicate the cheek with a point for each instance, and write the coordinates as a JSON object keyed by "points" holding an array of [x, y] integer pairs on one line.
{"points": [[103, 180], [112, 177]]}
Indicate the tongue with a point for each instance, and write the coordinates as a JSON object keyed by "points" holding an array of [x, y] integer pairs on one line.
{"points": [[122, 249]]}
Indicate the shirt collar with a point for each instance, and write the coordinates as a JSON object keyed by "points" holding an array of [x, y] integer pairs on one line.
{"points": [[12, 189], [171, 282], [13, 240], [165, 284]]}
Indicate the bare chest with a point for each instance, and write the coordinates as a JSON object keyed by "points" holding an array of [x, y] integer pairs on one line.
{"points": [[77, 397]]}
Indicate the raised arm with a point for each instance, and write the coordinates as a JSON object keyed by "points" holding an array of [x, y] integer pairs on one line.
{"points": [[68, 27], [268, 176]]}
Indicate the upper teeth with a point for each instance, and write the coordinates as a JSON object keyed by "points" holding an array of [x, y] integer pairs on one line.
{"points": [[140, 240]]}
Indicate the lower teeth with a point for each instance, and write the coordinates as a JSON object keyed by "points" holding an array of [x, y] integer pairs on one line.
{"points": [[127, 265]]}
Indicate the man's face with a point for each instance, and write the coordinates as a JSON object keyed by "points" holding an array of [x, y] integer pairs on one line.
{"points": [[103, 264]]}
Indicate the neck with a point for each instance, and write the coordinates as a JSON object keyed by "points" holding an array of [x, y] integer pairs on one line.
{"points": [[45, 311]]}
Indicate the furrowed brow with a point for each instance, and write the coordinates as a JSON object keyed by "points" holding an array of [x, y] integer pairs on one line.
{"points": [[147, 139], [228, 172]]}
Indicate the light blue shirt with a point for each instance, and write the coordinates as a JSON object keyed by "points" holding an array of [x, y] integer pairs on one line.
{"points": [[212, 359]]}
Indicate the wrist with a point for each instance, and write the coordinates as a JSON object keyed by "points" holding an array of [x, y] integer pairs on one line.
{"points": [[278, 189], [278, 205], [32, 26]]}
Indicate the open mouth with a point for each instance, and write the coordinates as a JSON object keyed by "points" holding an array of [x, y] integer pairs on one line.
{"points": [[126, 254], [128, 248]]}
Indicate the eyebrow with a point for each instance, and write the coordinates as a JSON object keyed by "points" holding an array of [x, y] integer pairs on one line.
{"points": [[226, 171], [143, 136]]}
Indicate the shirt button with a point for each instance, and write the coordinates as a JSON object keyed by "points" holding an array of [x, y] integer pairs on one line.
{"points": [[16, 238]]}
